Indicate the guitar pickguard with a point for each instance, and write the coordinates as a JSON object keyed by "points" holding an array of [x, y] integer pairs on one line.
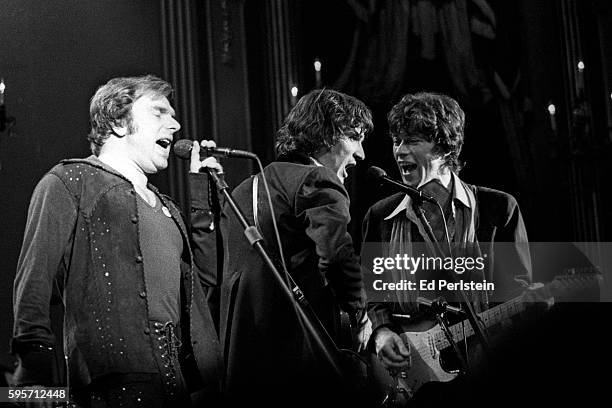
{"points": [[426, 361]]}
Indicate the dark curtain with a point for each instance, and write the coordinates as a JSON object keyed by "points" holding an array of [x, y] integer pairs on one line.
{"points": [[468, 49]]}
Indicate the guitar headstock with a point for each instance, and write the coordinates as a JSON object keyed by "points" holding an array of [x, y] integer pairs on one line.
{"points": [[582, 286]]}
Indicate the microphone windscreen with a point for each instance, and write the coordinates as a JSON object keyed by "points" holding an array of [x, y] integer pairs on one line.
{"points": [[182, 148], [375, 173]]}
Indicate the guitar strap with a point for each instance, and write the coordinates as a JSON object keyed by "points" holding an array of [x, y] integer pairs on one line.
{"points": [[290, 281]]}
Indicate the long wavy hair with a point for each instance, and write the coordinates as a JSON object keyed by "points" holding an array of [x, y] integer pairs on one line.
{"points": [[436, 118], [319, 120]]}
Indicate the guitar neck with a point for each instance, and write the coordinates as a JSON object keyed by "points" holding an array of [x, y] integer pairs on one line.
{"points": [[560, 286], [490, 317]]}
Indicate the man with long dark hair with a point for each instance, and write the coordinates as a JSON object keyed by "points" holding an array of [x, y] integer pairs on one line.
{"points": [[268, 354]]}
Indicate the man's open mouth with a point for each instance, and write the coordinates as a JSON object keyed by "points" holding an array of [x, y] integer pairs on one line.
{"points": [[164, 143], [407, 167]]}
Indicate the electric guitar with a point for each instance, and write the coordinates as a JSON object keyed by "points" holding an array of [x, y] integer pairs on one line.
{"points": [[427, 340]]}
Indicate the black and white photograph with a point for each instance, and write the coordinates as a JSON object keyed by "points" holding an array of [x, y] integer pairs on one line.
{"points": [[305, 203]]}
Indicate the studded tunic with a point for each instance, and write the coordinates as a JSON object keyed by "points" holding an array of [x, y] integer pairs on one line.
{"points": [[82, 234]]}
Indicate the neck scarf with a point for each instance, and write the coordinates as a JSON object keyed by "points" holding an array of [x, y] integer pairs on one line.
{"points": [[465, 244]]}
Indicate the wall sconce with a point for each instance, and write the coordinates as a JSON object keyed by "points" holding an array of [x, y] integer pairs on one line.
{"points": [[317, 67], [294, 94], [6, 122]]}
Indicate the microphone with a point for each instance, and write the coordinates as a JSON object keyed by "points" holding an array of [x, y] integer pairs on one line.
{"points": [[182, 148], [378, 174], [439, 304]]}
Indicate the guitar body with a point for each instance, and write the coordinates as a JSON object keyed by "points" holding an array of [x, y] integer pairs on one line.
{"points": [[354, 367], [344, 331], [426, 366]]}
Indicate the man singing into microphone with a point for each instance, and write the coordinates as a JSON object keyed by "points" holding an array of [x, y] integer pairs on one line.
{"points": [[137, 327], [270, 358], [427, 132]]}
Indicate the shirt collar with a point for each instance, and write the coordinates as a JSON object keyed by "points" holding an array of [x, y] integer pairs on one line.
{"points": [[316, 162], [459, 194], [401, 207]]}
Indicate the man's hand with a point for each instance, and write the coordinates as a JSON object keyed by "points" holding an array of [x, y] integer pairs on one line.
{"points": [[391, 349], [537, 298], [195, 164]]}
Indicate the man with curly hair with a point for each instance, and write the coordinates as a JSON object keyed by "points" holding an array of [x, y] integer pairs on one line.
{"points": [[428, 132], [137, 327], [267, 352]]}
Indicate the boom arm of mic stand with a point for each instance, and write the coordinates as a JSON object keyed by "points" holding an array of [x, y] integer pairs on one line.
{"points": [[324, 342]]}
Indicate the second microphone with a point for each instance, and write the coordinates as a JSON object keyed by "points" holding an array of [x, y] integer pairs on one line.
{"points": [[182, 148]]}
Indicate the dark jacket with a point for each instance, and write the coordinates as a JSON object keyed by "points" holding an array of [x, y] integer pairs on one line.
{"points": [[82, 235], [497, 220], [264, 346]]}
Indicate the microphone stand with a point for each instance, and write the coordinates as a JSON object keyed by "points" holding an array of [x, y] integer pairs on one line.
{"points": [[439, 308], [469, 308], [313, 325]]}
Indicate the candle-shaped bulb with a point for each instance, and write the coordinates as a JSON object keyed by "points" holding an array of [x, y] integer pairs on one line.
{"points": [[317, 67], [294, 93], [2, 88], [553, 121], [580, 79]]}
